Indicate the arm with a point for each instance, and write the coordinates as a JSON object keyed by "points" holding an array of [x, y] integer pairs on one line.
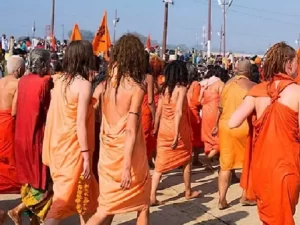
{"points": [[178, 110], [84, 99], [150, 92], [14, 103], [196, 95], [97, 95], [132, 126], [158, 114], [243, 111], [220, 108]]}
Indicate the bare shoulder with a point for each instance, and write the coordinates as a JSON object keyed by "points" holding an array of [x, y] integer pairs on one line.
{"points": [[82, 85]]}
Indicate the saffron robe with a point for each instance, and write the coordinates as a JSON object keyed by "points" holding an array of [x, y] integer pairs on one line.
{"points": [[276, 149], [62, 153], [167, 158]]}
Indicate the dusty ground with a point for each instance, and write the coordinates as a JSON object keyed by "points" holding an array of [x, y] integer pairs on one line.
{"points": [[178, 211]]}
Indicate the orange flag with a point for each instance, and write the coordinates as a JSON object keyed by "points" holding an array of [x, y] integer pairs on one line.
{"points": [[76, 35], [148, 45], [101, 42]]}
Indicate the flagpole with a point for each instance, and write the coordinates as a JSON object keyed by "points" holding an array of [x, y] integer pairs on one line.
{"points": [[115, 21], [52, 20]]}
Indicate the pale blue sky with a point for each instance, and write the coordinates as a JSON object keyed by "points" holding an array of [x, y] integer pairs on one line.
{"points": [[252, 25]]}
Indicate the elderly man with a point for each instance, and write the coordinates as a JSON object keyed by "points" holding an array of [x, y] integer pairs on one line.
{"points": [[32, 106], [8, 96]]}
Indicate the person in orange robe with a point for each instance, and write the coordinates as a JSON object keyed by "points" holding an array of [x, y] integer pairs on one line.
{"points": [[298, 75], [124, 177], [9, 183], [276, 146], [148, 112], [232, 142], [69, 139], [174, 146], [211, 89], [194, 112]]}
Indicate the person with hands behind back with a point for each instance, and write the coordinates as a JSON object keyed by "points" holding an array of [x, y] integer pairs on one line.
{"points": [[174, 141]]}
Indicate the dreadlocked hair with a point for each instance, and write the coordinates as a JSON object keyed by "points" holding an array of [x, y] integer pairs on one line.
{"points": [[275, 60], [156, 66], [176, 73], [193, 74], [128, 55]]}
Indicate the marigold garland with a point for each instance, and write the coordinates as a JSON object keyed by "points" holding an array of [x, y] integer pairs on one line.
{"points": [[82, 196]]}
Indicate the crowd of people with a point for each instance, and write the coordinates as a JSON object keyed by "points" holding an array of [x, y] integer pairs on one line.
{"points": [[79, 136]]}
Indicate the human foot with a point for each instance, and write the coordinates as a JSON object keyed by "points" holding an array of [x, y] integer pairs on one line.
{"points": [[223, 205], [15, 217], [246, 202], [192, 195], [2, 217], [155, 202]]}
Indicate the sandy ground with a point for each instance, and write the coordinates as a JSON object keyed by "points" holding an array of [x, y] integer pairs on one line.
{"points": [[178, 211]]}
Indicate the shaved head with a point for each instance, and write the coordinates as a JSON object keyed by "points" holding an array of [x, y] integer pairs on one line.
{"points": [[244, 68], [15, 63]]}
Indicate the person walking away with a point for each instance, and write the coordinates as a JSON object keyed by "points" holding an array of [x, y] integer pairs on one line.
{"points": [[124, 176], [275, 162], [174, 140], [32, 105]]}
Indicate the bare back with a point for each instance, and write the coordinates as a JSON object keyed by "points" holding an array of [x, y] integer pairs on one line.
{"points": [[289, 97], [116, 106], [8, 89]]}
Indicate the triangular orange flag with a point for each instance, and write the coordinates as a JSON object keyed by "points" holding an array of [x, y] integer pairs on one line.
{"points": [[101, 42], [76, 35], [148, 44]]}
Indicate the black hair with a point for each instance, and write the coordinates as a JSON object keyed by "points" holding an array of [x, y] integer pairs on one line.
{"points": [[176, 73], [254, 74], [193, 74]]}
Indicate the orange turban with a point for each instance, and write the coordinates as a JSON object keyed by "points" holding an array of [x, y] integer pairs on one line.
{"points": [[257, 60]]}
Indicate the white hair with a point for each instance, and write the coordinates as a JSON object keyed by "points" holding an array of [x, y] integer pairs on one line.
{"points": [[14, 63]]}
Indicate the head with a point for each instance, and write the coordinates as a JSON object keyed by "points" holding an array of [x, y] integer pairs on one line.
{"points": [[243, 68], [176, 73], [39, 62], [128, 55], [254, 74], [78, 60], [156, 66], [222, 73], [4, 36], [280, 58], [193, 74], [16, 66]]}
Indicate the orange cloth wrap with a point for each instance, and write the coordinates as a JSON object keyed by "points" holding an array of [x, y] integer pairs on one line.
{"points": [[168, 159], [194, 109], [113, 199], [232, 141], [276, 166], [210, 107], [62, 153]]}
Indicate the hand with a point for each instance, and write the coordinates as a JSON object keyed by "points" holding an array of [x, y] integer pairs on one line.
{"points": [[214, 131], [154, 132], [175, 143], [86, 172], [126, 179]]}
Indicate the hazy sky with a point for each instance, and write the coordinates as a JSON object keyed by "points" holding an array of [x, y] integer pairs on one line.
{"points": [[252, 25]]}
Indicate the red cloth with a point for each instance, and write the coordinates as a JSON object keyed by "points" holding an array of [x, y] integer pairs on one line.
{"points": [[147, 127], [8, 173], [32, 107]]}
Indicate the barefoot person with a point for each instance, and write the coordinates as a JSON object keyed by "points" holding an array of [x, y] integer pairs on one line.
{"points": [[69, 139], [276, 148], [32, 105], [232, 142], [211, 89], [8, 105], [124, 176], [9, 183], [194, 112], [174, 147]]}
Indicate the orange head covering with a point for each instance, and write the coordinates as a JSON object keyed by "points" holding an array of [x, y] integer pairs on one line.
{"points": [[257, 60]]}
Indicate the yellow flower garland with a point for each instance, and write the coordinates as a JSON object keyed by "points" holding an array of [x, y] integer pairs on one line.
{"points": [[82, 197]]}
